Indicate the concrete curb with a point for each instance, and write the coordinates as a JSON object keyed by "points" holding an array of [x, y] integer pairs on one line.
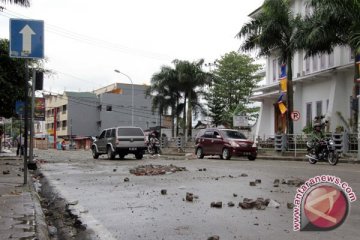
{"points": [[41, 226]]}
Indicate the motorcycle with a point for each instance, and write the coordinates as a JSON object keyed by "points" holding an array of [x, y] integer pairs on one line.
{"points": [[326, 146], [327, 151], [153, 146]]}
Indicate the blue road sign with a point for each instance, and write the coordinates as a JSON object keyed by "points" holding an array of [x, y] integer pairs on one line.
{"points": [[26, 38]]}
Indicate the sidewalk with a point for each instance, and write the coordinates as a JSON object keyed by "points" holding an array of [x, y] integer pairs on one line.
{"points": [[20, 212]]}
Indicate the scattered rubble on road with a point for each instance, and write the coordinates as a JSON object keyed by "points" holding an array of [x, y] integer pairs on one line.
{"points": [[6, 172], [126, 179], [163, 191], [243, 175], [150, 170]]}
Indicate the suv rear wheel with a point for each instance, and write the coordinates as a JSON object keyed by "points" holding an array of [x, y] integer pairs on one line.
{"points": [[199, 153], [226, 154], [110, 153], [94, 153]]}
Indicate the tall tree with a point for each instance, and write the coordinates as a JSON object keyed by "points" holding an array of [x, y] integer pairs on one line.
{"points": [[332, 23], [272, 30], [23, 3], [234, 79]]}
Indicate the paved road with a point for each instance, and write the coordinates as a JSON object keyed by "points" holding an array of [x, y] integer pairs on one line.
{"points": [[115, 209]]}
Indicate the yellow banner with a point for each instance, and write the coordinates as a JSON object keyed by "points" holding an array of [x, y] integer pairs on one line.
{"points": [[282, 107], [283, 85]]}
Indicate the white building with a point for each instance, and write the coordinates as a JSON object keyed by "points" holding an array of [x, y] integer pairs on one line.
{"points": [[322, 85]]}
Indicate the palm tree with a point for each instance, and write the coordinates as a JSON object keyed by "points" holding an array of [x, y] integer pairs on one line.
{"points": [[333, 23], [191, 78], [23, 3], [272, 30], [164, 87]]}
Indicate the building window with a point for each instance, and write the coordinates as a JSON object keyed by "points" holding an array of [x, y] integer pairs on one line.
{"points": [[64, 125], [318, 108], [64, 108], [315, 63], [57, 125], [308, 114], [322, 61], [109, 108]]}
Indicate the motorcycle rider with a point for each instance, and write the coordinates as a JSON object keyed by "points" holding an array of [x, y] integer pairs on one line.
{"points": [[317, 135]]}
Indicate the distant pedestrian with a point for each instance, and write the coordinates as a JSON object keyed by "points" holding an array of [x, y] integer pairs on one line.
{"points": [[20, 145], [63, 144]]}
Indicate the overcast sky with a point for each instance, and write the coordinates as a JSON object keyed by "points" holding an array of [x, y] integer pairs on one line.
{"points": [[86, 40]]}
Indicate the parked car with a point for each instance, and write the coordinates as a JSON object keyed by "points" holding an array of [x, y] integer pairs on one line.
{"points": [[224, 143], [121, 141]]}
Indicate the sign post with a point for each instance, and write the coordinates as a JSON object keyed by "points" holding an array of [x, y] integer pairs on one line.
{"points": [[27, 41]]}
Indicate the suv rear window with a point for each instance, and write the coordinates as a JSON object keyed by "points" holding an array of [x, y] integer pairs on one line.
{"points": [[130, 132], [233, 134]]}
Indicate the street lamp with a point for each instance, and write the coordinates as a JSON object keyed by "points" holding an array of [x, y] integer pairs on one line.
{"points": [[132, 95]]}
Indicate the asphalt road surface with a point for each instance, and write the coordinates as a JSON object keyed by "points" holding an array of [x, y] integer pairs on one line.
{"points": [[116, 209]]}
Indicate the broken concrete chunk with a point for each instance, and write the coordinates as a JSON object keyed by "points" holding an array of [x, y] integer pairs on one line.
{"points": [[273, 204], [163, 191], [252, 184], [6, 172], [231, 204], [290, 205], [235, 195], [276, 182], [243, 175], [295, 182], [216, 204], [126, 179], [257, 181], [149, 170], [189, 197], [215, 237]]}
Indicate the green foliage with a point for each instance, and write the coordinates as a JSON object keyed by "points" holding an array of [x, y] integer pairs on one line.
{"points": [[234, 80], [12, 79], [307, 129]]}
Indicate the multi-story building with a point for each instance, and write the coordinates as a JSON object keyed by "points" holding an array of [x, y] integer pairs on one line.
{"points": [[80, 114], [322, 85]]}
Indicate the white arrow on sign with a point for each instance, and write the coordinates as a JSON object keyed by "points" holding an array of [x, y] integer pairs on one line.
{"points": [[27, 32]]}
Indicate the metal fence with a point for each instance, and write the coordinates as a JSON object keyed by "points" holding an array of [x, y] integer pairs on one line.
{"points": [[344, 142]]}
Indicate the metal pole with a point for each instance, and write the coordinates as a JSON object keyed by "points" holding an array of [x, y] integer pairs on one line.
{"points": [[358, 132], [31, 149], [26, 118], [132, 103]]}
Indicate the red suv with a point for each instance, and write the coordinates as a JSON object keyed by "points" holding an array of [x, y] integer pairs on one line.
{"points": [[225, 143]]}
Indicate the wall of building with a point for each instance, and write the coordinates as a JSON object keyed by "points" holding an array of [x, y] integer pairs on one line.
{"points": [[82, 117], [116, 109]]}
